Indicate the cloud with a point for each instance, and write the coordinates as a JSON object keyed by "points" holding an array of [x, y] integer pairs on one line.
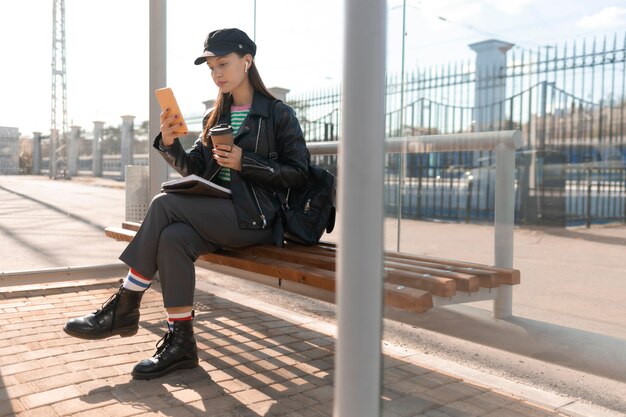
{"points": [[510, 6], [607, 18]]}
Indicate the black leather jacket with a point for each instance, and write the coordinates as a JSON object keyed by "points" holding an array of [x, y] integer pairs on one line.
{"points": [[262, 180]]}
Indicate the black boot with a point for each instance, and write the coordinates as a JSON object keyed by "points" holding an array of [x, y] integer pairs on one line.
{"points": [[118, 315], [176, 350]]}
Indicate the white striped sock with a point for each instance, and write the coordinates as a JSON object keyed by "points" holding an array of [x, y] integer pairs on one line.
{"points": [[135, 282], [172, 317]]}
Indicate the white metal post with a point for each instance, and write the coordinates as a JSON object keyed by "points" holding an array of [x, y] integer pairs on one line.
{"points": [[360, 249], [72, 151], [126, 148], [158, 78], [36, 170], [96, 149], [503, 223]]}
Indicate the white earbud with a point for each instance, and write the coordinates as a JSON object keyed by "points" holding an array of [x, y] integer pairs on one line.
{"points": [[246, 70]]}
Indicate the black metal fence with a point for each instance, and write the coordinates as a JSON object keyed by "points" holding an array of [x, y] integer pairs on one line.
{"points": [[569, 103]]}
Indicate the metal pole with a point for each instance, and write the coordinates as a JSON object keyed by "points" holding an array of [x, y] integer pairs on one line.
{"points": [[52, 160], [96, 153], [36, 169], [254, 33], [126, 149], [360, 261], [158, 79], [403, 154], [72, 151], [503, 222]]}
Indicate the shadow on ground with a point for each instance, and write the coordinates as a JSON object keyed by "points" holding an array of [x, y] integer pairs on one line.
{"points": [[261, 365]]}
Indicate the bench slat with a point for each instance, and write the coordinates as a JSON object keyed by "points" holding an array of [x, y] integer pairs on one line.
{"points": [[495, 275], [288, 254], [397, 296], [442, 287], [437, 285], [462, 282], [468, 279], [316, 277], [410, 280]]}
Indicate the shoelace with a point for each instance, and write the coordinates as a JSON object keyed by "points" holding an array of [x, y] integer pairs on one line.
{"points": [[108, 304], [162, 344], [104, 307]]}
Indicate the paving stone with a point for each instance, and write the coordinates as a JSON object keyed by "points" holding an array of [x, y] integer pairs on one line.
{"points": [[7, 381], [307, 412], [216, 405], [251, 396], [455, 391], [251, 364], [410, 405], [503, 412], [10, 407], [395, 374], [50, 397], [530, 411], [434, 380], [490, 401], [459, 408], [320, 394], [436, 413], [403, 387], [80, 404], [16, 391], [121, 410], [45, 411], [49, 383]]}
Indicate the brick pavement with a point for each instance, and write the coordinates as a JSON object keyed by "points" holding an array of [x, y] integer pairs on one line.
{"points": [[251, 364]]}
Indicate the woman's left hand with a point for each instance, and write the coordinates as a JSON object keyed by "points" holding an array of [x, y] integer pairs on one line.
{"points": [[228, 156]]}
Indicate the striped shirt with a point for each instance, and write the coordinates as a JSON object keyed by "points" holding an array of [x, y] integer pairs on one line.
{"points": [[237, 116]]}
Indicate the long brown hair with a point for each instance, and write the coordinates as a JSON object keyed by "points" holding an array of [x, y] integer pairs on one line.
{"points": [[225, 100]]}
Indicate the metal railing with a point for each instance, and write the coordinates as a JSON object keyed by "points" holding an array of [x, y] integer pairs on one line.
{"points": [[504, 145]]}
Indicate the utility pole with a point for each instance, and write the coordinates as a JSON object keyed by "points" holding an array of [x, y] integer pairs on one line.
{"points": [[58, 131]]}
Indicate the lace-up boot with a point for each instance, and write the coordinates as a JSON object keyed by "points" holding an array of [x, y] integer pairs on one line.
{"points": [[118, 315], [176, 350]]}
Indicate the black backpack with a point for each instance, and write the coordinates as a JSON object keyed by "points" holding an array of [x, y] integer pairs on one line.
{"points": [[309, 210]]}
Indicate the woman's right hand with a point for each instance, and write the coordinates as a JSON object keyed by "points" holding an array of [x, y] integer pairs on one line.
{"points": [[170, 123]]}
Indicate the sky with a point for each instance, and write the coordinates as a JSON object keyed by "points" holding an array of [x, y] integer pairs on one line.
{"points": [[300, 46]]}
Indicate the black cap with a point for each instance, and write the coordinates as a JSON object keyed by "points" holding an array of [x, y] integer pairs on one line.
{"points": [[224, 41]]}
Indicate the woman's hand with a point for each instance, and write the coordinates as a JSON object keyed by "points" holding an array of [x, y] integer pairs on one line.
{"points": [[228, 156], [170, 125]]}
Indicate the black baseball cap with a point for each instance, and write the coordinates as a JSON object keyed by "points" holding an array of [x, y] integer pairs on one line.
{"points": [[224, 41]]}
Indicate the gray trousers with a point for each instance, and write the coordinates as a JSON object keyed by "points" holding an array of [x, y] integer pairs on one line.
{"points": [[176, 230]]}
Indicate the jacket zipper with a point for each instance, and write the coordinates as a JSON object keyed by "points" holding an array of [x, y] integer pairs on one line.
{"points": [[259, 207], [257, 165], [258, 133], [256, 147]]}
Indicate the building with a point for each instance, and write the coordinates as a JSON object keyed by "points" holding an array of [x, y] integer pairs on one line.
{"points": [[9, 150]]}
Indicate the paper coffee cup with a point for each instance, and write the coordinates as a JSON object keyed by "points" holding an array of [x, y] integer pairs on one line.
{"points": [[222, 135]]}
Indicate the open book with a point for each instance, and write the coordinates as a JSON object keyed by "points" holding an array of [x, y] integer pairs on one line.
{"points": [[194, 184]]}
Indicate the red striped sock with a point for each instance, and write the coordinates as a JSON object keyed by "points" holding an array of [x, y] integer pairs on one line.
{"points": [[135, 281], [173, 317]]}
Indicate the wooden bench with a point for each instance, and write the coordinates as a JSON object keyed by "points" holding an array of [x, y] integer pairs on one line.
{"points": [[412, 283]]}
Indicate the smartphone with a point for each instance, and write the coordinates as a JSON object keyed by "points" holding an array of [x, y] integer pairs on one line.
{"points": [[166, 99]]}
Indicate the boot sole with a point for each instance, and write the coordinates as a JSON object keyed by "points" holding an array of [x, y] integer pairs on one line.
{"points": [[188, 364], [120, 332]]}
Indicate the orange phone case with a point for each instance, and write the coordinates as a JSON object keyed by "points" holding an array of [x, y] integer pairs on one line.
{"points": [[166, 99]]}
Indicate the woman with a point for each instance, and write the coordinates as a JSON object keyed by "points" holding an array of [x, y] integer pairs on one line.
{"points": [[178, 227]]}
